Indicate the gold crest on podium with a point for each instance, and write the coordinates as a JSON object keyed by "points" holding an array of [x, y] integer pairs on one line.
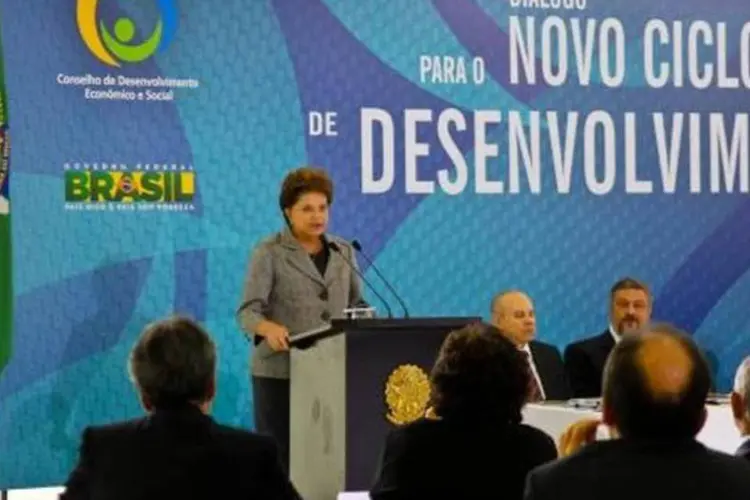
{"points": [[407, 394]]}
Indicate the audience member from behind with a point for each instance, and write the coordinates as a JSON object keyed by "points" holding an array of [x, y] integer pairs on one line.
{"points": [[474, 445], [741, 406], [655, 389], [177, 450]]}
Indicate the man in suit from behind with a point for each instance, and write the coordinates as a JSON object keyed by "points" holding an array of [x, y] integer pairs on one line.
{"points": [[629, 309], [655, 389], [177, 450], [741, 406], [513, 314]]}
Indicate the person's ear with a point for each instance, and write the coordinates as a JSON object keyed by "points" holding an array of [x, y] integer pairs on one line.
{"points": [[608, 416], [148, 407], [702, 421], [737, 402], [211, 390]]}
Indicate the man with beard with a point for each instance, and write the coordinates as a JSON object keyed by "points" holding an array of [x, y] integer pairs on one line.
{"points": [[629, 309]]}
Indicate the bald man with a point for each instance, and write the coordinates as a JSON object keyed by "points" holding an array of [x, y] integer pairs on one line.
{"points": [[655, 388], [513, 314]]}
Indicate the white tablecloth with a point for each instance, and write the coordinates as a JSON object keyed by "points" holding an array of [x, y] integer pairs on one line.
{"points": [[719, 432], [36, 493]]}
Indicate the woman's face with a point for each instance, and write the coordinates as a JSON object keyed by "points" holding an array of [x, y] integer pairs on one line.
{"points": [[309, 216]]}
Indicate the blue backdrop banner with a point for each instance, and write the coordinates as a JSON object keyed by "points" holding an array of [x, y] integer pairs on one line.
{"points": [[476, 145]]}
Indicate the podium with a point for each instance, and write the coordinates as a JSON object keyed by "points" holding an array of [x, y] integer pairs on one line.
{"points": [[351, 382]]}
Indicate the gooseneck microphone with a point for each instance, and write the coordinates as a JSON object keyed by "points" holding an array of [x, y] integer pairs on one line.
{"points": [[358, 248], [336, 248]]}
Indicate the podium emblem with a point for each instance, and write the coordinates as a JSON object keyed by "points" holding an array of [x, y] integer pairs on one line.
{"points": [[407, 394]]}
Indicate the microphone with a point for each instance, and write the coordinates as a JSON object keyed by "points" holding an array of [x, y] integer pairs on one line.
{"points": [[336, 248], [358, 248]]}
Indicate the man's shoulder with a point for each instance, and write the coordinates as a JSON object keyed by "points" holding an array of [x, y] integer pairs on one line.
{"points": [[735, 466], [591, 342], [744, 449], [579, 464], [115, 429], [128, 430], [243, 437], [605, 458], [545, 348], [120, 435]]}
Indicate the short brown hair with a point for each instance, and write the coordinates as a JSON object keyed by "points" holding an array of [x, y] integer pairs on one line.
{"points": [[628, 283], [305, 180], [479, 374], [173, 362]]}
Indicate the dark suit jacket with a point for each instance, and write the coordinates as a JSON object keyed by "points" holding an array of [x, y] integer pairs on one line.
{"points": [[176, 454], [627, 470], [744, 450], [549, 365], [445, 459], [584, 364]]}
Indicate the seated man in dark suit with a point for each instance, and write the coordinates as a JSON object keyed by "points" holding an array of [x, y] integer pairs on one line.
{"points": [[741, 406], [655, 389], [629, 309], [513, 314], [473, 446], [177, 451]]}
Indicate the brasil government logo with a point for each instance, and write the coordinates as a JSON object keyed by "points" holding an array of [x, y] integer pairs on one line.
{"points": [[116, 46], [120, 187]]}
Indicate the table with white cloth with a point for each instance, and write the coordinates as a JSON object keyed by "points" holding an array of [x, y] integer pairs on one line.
{"points": [[718, 433]]}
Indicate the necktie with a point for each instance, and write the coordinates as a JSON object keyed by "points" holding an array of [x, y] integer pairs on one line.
{"points": [[534, 391]]}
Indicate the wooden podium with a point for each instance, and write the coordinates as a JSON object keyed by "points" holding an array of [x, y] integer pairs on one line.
{"points": [[351, 381]]}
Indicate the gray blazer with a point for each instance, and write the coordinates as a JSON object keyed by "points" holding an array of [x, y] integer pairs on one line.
{"points": [[284, 286]]}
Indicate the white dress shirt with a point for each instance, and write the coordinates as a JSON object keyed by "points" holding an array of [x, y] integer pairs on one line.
{"points": [[614, 333]]}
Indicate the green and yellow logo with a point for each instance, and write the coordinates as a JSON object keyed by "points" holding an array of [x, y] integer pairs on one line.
{"points": [[115, 47], [127, 186]]}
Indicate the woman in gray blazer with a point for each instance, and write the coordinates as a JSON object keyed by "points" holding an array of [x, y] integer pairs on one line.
{"points": [[298, 279]]}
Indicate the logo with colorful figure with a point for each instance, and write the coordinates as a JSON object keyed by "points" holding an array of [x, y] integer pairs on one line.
{"points": [[115, 46]]}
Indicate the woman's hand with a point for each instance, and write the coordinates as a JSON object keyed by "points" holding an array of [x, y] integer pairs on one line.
{"points": [[276, 335]]}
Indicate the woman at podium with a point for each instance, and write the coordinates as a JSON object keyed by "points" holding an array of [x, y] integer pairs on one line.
{"points": [[297, 279]]}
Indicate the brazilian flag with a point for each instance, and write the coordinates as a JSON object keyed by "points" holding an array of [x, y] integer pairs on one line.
{"points": [[6, 282]]}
